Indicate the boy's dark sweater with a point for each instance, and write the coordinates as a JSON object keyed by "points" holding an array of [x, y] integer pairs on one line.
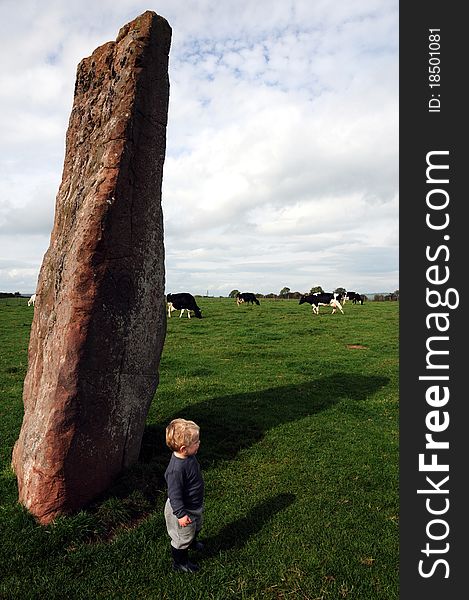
{"points": [[185, 484]]}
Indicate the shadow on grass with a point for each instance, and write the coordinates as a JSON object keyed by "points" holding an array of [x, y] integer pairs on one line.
{"points": [[232, 423], [234, 535], [228, 424]]}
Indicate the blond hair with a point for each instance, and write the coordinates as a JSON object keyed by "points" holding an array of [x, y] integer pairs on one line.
{"points": [[181, 433]]}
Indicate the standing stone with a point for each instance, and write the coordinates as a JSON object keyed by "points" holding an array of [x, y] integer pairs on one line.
{"points": [[99, 323]]}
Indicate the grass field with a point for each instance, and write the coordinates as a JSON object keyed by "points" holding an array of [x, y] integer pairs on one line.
{"points": [[299, 453]]}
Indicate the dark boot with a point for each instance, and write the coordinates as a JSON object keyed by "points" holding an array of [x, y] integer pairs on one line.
{"points": [[196, 545], [181, 561]]}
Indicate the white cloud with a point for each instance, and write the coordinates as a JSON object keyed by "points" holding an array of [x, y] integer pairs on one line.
{"points": [[281, 164]]}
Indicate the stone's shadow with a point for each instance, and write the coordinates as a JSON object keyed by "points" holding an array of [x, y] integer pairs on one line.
{"points": [[229, 424], [234, 535], [232, 423]]}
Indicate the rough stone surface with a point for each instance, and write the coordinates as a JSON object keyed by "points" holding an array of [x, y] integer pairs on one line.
{"points": [[99, 322]]}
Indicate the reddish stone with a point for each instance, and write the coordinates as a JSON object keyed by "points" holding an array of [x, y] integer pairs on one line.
{"points": [[99, 321]]}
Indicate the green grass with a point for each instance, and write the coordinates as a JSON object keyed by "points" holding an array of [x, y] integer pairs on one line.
{"points": [[299, 453]]}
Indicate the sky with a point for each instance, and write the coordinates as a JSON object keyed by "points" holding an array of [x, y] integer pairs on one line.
{"points": [[281, 164]]}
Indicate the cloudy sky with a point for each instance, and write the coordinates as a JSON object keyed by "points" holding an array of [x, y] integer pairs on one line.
{"points": [[282, 143]]}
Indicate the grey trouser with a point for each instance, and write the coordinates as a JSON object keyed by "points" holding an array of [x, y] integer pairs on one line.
{"points": [[181, 537]]}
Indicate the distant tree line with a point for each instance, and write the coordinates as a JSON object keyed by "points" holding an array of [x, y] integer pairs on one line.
{"points": [[285, 293], [386, 297]]}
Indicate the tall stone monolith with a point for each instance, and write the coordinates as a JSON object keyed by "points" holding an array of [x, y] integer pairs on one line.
{"points": [[99, 322]]}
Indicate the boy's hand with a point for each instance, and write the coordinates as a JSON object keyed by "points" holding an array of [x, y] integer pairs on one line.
{"points": [[184, 521]]}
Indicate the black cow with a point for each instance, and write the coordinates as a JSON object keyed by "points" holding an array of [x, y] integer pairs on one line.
{"points": [[354, 297], [317, 300], [247, 297], [182, 302]]}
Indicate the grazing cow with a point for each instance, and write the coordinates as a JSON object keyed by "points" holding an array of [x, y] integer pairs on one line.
{"points": [[317, 300], [340, 297], [247, 297], [32, 300], [182, 302], [354, 297]]}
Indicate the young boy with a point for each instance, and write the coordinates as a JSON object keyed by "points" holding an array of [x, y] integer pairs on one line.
{"points": [[184, 506]]}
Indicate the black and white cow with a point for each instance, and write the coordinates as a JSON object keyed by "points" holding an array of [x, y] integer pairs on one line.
{"points": [[183, 301], [354, 297], [247, 297], [317, 300], [339, 296]]}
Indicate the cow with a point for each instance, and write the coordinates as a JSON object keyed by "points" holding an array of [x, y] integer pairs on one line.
{"points": [[247, 297], [340, 297], [317, 300], [183, 301], [354, 297], [32, 300]]}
